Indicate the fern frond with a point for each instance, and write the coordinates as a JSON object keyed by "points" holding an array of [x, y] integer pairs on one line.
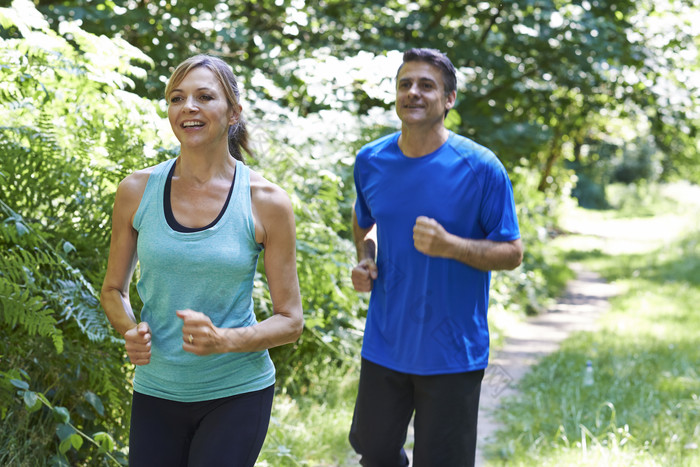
{"points": [[20, 309], [45, 278]]}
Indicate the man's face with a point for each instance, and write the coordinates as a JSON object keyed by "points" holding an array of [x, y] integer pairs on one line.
{"points": [[420, 94]]}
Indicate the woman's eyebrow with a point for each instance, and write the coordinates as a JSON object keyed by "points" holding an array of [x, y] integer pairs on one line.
{"points": [[203, 88]]}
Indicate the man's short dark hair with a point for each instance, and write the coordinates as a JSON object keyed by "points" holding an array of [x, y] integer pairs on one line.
{"points": [[436, 58]]}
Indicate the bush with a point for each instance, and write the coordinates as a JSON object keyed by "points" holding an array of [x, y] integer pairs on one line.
{"points": [[71, 134]]}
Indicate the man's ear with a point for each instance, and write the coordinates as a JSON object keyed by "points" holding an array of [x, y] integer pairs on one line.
{"points": [[451, 99]]}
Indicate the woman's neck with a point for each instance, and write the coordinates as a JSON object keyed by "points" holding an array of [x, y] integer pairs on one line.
{"points": [[200, 167]]}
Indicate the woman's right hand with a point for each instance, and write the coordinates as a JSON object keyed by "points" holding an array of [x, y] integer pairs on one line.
{"points": [[138, 344]]}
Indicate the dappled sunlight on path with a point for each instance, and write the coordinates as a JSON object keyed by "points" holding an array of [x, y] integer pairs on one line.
{"points": [[636, 235]]}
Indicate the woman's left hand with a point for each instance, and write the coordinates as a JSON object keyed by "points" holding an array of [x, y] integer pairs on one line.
{"points": [[199, 335]]}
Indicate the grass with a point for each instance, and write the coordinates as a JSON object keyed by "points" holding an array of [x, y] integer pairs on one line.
{"points": [[644, 408], [312, 430]]}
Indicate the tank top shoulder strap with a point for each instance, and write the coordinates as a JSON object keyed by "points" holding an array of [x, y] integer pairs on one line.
{"points": [[153, 191]]}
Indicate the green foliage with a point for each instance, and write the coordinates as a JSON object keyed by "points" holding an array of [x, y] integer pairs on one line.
{"points": [[20, 305], [51, 321], [69, 436], [70, 135], [643, 408], [529, 289], [312, 429], [542, 74], [613, 160], [316, 170]]}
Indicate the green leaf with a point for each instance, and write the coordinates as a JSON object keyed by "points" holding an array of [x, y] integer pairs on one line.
{"points": [[105, 441], [76, 441], [64, 445], [5, 21], [95, 401], [67, 435], [68, 247], [31, 400], [21, 228], [62, 414], [64, 431], [44, 400], [18, 383]]}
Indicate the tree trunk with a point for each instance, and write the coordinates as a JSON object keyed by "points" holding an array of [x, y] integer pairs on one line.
{"points": [[554, 155]]}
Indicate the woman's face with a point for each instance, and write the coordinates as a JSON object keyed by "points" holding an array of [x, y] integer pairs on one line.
{"points": [[198, 111]]}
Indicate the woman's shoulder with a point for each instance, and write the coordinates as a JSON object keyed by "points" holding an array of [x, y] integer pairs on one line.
{"points": [[272, 210], [136, 181], [131, 188], [265, 193]]}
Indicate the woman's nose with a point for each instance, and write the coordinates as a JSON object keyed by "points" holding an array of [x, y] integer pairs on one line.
{"points": [[190, 104]]}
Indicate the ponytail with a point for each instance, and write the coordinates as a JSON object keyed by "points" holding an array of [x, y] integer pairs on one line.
{"points": [[238, 140]]}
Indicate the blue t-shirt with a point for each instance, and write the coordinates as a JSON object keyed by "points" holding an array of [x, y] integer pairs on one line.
{"points": [[210, 271], [428, 315]]}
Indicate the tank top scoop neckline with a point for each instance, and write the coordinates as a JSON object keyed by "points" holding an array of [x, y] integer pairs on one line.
{"points": [[168, 208]]}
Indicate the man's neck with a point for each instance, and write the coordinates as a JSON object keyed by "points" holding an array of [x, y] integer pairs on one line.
{"points": [[418, 142]]}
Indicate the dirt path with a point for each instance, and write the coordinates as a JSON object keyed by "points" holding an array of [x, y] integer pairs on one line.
{"points": [[585, 299]]}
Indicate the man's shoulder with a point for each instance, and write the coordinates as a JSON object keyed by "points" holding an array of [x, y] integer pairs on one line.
{"points": [[467, 147], [476, 154], [378, 145]]}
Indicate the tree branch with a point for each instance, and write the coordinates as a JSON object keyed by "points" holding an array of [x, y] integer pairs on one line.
{"points": [[492, 21]]}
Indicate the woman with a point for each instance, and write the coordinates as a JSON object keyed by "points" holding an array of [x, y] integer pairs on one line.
{"points": [[204, 381]]}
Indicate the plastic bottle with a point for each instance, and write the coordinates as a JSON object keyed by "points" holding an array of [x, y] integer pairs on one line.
{"points": [[588, 374]]}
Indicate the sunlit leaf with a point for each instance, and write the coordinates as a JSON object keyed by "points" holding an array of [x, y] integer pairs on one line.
{"points": [[31, 401]]}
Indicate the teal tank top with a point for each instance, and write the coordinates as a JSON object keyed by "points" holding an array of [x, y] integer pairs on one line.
{"points": [[210, 271]]}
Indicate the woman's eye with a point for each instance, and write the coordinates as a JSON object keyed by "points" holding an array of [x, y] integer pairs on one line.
{"points": [[206, 97], [175, 99]]}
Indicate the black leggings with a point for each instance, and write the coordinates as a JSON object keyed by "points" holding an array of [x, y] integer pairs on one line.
{"points": [[222, 432]]}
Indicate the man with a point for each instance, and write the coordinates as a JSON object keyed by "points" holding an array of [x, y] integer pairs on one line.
{"points": [[441, 210]]}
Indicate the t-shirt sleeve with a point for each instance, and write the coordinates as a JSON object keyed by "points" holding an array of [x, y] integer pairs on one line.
{"points": [[498, 217], [362, 209]]}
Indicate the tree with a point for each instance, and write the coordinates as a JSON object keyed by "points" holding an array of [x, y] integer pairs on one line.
{"points": [[537, 73]]}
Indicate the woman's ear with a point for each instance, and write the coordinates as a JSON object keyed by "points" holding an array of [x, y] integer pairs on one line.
{"points": [[235, 115]]}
